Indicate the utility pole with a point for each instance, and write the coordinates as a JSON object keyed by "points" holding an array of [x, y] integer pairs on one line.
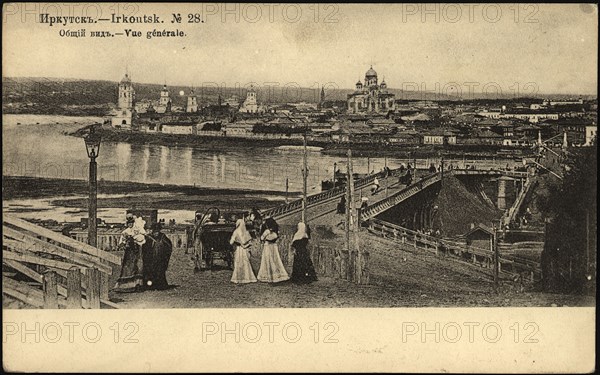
{"points": [[334, 170], [587, 241], [354, 216], [368, 166], [348, 200], [304, 178], [287, 189], [494, 245]]}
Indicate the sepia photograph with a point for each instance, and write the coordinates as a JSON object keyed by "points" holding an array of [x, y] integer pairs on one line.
{"points": [[299, 156]]}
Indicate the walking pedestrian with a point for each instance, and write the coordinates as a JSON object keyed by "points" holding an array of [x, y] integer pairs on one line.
{"points": [[242, 269], [271, 267], [303, 270]]}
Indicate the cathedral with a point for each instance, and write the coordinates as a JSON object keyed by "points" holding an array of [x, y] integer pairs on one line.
{"points": [[123, 115], [371, 97]]}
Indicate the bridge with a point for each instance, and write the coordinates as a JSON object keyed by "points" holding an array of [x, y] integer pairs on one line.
{"points": [[321, 207]]}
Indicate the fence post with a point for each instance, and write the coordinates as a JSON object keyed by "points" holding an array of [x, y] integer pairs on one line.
{"points": [[364, 268], [93, 288], [73, 288], [50, 290], [344, 264], [104, 281]]}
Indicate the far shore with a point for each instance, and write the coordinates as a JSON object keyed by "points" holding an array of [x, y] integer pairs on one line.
{"points": [[358, 149]]}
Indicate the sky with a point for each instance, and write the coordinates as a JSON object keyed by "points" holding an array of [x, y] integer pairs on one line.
{"points": [[528, 48]]}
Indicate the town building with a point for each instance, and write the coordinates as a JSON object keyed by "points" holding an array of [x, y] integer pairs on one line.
{"points": [[371, 97]]}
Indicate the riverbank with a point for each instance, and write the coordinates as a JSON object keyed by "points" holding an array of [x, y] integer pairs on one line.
{"points": [[139, 195], [328, 148]]}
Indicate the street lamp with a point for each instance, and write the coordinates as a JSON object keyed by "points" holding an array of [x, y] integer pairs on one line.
{"points": [[92, 146]]}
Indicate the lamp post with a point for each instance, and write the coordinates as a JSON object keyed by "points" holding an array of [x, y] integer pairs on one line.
{"points": [[92, 145]]}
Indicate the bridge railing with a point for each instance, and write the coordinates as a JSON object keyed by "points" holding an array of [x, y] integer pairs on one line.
{"points": [[53, 259], [491, 171], [509, 263], [323, 196], [399, 196]]}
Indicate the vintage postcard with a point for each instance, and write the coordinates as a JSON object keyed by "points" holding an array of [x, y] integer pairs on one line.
{"points": [[245, 187]]}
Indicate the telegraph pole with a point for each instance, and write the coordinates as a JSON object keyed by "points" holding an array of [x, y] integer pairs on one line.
{"points": [[496, 258], [348, 200], [334, 169], [287, 189], [304, 178]]}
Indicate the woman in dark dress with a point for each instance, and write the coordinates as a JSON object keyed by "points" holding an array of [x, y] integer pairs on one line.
{"points": [[157, 253], [303, 271]]}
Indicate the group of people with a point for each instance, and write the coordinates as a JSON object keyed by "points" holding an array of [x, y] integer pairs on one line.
{"points": [[146, 257], [271, 268]]}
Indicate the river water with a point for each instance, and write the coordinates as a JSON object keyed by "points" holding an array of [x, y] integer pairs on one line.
{"points": [[38, 146]]}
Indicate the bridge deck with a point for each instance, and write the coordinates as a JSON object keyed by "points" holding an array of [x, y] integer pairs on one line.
{"points": [[325, 212]]}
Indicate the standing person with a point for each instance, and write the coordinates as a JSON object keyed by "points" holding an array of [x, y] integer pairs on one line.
{"points": [[364, 204], [242, 269], [375, 186], [156, 258], [198, 257], [303, 271], [131, 278], [271, 267], [255, 219], [341, 207]]}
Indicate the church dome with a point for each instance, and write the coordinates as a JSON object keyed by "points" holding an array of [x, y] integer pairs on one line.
{"points": [[126, 79], [371, 73]]}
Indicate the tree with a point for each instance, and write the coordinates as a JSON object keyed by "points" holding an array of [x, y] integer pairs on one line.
{"points": [[569, 256]]}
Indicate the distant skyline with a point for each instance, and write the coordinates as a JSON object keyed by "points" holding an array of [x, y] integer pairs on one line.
{"points": [[533, 48]]}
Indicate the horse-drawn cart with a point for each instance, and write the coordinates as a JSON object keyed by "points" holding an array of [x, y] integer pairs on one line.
{"points": [[211, 239]]}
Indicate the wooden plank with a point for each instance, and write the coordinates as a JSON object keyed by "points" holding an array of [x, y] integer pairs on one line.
{"points": [[74, 244], [34, 275], [22, 292], [50, 290], [26, 258], [93, 289], [31, 243], [73, 288], [24, 270]]}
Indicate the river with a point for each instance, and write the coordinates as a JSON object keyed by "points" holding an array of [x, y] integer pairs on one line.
{"points": [[38, 146]]}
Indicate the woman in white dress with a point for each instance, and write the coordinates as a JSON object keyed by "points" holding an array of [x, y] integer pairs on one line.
{"points": [[242, 269], [271, 266]]}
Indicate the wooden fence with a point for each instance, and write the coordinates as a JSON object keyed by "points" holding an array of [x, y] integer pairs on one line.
{"points": [[327, 255], [418, 242], [66, 273]]}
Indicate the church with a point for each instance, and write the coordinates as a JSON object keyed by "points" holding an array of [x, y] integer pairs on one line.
{"points": [[123, 115], [371, 97]]}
